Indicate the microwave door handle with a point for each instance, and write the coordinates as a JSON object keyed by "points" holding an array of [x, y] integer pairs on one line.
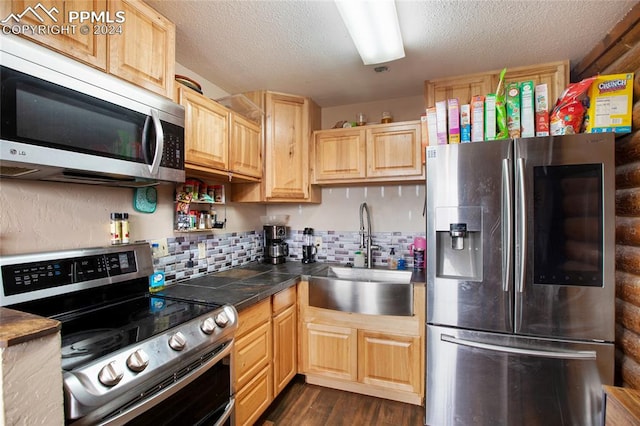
{"points": [[157, 157]]}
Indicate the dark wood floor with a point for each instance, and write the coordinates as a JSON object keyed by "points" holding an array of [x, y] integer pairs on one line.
{"points": [[301, 404]]}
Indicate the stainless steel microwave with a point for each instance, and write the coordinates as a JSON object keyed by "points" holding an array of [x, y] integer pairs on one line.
{"points": [[64, 121]]}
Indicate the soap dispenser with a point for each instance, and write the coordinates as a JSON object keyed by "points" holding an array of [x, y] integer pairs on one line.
{"points": [[393, 260]]}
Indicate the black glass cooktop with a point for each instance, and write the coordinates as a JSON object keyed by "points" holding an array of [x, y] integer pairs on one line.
{"points": [[94, 333]]}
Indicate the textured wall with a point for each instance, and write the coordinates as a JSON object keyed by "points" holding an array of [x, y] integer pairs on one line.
{"points": [[619, 52]]}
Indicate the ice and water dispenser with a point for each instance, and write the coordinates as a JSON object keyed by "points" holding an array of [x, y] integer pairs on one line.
{"points": [[459, 243]]}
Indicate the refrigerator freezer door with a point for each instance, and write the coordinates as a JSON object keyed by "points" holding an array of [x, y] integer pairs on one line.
{"points": [[469, 267], [493, 379], [565, 236]]}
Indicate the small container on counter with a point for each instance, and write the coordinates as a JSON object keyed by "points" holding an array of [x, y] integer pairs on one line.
{"points": [[125, 228], [115, 228]]}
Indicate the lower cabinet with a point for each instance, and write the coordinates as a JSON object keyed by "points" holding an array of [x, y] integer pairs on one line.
{"points": [[265, 354], [378, 355]]}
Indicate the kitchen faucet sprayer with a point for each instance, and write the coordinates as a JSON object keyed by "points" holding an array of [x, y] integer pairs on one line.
{"points": [[365, 235]]}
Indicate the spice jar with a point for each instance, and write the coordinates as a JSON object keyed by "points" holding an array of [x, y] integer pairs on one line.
{"points": [[124, 232], [115, 228]]}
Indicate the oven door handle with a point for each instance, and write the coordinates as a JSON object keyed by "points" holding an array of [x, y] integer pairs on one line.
{"points": [[228, 410], [157, 398]]}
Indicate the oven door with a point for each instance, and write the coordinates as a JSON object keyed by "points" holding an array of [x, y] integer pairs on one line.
{"points": [[203, 396]]}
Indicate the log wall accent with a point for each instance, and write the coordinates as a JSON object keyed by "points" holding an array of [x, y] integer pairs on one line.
{"points": [[619, 52]]}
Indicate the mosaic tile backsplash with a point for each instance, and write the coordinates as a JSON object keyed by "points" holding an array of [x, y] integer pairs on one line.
{"points": [[225, 251]]}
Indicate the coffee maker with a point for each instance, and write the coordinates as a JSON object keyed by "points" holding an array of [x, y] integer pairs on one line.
{"points": [[308, 246], [275, 249]]}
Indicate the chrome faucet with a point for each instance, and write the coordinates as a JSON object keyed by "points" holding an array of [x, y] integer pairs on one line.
{"points": [[365, 236]]}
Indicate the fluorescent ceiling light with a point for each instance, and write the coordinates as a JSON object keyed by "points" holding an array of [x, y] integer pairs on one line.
{"points": [[373, 26]]}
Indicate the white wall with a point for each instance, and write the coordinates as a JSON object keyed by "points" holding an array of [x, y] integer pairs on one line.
{"points": [[392, 208]]}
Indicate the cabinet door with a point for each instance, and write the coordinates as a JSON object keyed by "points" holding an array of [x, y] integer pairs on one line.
{"points": [[287, 151], [462, 87], [84, 46], [254, 398], [331, 351], [394, 151], [252, 353], [390, 361], [144, 53], [245, 147], [285, 348], [206, 131], [339, 154]]}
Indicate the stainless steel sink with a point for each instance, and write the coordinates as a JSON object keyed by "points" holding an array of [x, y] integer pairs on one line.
{"points": [[363, 291]]}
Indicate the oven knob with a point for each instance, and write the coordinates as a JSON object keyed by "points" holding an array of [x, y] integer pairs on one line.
{"points": [[208, 326], [177, 341], [110, 374], [138, 361], [222, 320]]}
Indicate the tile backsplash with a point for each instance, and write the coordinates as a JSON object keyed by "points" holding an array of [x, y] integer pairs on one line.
{"points": [[225, 251]]}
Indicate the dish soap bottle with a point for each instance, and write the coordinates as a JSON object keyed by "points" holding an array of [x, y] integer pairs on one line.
{"points": [[156, 280], [393, 260]]}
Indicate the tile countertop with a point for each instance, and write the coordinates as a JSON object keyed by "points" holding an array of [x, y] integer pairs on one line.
{"points": [[247, 285]]}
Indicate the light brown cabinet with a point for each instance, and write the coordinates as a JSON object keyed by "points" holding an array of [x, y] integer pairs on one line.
{"points": [[288, 123], [374, 153], [554, 74], [219, 142], [378, 355], [285, 338], [265, 353], [141, 49]]}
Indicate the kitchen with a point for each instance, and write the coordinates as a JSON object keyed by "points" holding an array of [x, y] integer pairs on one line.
{"points": [[31, 224]]}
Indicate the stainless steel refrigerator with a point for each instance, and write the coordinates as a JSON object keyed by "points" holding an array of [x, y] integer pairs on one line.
{"points": [[520, 281]]}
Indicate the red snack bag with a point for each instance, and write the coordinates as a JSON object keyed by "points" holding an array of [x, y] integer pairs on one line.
{"points": [[567, 115]]}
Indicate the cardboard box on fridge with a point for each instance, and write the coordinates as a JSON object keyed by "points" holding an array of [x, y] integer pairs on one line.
{"points": [[441, 122], [490, 117], [453, 110], [610, 104], [465, 123], [477, 118], [527, 110], [432, 126], [542, 110], [513, 109]]}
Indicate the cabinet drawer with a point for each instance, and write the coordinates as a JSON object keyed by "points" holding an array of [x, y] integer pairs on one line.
{"points": [[283, 299], [253, 316], [254, 398], [252, 353]]}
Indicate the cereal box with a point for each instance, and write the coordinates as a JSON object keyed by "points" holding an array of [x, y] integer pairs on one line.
{"points": [[477, 118], [441, 122], [453, 108], [490, 117], [465, 123], [513, 110], [527, 110], [610, 104], [542, 110], [432, 126]]}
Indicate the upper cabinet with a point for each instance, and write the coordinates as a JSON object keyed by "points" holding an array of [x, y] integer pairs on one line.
{"points": [[288, 123], [374, 153], [219, 142], [140, 49], [554, 74]]}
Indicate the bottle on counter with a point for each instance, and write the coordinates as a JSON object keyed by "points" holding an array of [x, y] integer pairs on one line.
{"points": [[393, 260], [115, 227], [125, 228]]}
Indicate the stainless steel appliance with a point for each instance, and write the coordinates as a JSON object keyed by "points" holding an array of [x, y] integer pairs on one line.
{"points": [[64, 121], [309, 249], [127, 356], [275, 248], [520, 281]]}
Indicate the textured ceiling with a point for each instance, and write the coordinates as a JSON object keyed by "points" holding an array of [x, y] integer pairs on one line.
{"points": [[303, 47]]}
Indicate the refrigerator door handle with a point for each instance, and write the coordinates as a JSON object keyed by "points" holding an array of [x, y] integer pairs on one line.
{"points": [[507, 230], [522, 219], [578, 355]]}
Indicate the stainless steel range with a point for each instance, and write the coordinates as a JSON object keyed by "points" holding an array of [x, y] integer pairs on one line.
{"points": [[128, 356]]}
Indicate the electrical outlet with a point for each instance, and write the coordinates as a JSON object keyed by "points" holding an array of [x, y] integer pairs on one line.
{"points": [[202, 251], [163, 248], [318, 243]]}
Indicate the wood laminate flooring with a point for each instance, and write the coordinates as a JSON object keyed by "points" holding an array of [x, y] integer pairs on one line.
{"points": [[302, 404]]}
